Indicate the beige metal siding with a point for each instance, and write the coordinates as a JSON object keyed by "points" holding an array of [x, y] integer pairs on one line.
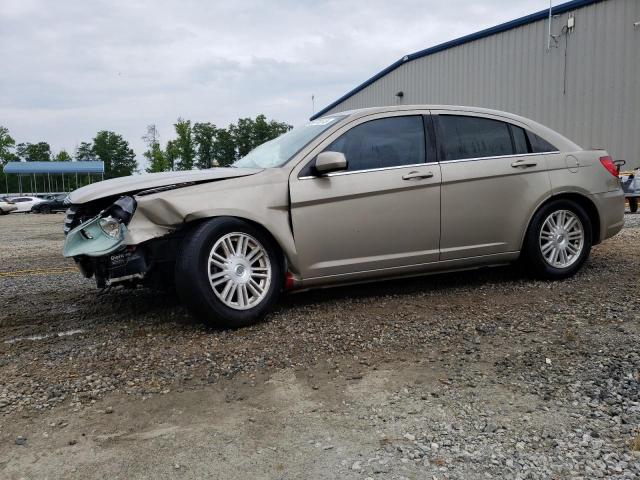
{"points": [[513, 71]]}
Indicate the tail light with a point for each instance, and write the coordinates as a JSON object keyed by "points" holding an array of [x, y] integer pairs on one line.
{"points": [[609, 165]]}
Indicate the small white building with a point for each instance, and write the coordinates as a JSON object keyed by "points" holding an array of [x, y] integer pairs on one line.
{"points": [[583, 80]]}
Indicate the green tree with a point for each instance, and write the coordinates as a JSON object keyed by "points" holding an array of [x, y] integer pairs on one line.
{"points": [[34, 152], [172, 154], [249, 133], [7, 145], [264, 130], [184, 143], [119, 159], [63, 156], [243, 135], [204, 137], [224, 148], [84, 152], [154, 154]]}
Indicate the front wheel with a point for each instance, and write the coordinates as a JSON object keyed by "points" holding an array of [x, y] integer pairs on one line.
{"points": [[633, 204], [558, 240], [229, 273]]}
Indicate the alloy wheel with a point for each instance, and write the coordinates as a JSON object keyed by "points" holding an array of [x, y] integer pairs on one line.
{"points": [[239, 270], [561, 239]]}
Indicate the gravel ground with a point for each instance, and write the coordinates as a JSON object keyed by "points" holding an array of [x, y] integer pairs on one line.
{"points": [[484, 374]]}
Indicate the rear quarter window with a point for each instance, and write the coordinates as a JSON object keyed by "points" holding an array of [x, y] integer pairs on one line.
{"points": [[540, 145]]}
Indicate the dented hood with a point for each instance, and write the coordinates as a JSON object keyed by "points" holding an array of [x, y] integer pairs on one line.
{"points": [[137, 183]]}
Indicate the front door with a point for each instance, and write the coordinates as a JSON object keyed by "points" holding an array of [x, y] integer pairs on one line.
{"points": [[382, 213]]}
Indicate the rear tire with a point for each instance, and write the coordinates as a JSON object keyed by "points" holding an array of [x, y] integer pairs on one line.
{"points": [[229, 273], [633, 204], [46, 209], [559, 240]]}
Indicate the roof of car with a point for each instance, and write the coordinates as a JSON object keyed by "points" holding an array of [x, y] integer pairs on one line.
{"points": [[360, 112]]}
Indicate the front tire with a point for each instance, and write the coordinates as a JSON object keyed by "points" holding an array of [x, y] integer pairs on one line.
{"points": [[229, 273], [633, 204], [559, 239]]}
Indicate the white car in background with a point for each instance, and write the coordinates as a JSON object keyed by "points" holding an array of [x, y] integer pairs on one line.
{"points": [[6, 206], [25, 203]]}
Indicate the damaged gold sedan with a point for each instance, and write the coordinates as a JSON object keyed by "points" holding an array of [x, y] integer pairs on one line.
{"points": [[357, 196]]}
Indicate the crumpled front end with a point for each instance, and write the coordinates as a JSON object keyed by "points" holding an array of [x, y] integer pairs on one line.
{"points": [[97, 244], [142, 246]]}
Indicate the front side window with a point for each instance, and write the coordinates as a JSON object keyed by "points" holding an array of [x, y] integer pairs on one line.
{"points": [[382, 143], [473, 137]]}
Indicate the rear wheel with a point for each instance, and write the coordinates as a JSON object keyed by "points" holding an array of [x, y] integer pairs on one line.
{"points": [[46, 209], [559, 239], [633, 204], [229, 273]]}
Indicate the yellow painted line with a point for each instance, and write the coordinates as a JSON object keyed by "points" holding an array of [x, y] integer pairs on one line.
{"points": [[51, 271]]}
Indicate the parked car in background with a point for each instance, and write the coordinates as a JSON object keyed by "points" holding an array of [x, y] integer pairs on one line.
{"points": [[351, 197], [6, 206], [50, 204], [25, 203]]}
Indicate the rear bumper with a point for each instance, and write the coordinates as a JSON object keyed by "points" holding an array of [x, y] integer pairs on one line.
{"points": [[610, 207]]}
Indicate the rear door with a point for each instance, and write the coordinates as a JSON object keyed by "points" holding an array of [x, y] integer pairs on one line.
{"points": [[382, 213], [491, 183]]}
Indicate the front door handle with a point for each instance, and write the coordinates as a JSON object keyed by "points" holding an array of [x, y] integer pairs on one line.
{"points": [[524, 163], [415, 175]]}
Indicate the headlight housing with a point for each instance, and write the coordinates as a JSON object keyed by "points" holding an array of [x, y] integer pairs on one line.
{"points": [[110, 226]]}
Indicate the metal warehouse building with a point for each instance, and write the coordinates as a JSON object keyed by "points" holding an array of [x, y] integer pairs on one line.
{"points": [[580, 77]]}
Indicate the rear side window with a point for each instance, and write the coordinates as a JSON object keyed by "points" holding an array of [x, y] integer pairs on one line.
{"points": [[386, 142], [473, 137], [540, 145]]}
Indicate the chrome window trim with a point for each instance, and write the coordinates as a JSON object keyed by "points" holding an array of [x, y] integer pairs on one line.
{"points": [[500, 156], [368, 170]]}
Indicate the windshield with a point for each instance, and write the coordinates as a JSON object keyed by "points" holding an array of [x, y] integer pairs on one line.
{"points": [[279, 151]]}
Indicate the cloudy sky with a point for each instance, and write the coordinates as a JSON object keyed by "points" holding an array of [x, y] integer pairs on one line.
{"points": [[73, 67]]}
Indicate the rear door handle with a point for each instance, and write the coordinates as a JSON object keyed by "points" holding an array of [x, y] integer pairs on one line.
{"points": [[415, 175], [524, 163]]}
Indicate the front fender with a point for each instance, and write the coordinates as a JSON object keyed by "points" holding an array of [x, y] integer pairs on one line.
{"points": [[262, 199]]}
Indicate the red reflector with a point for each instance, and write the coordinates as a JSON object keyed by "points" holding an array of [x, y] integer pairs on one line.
{"points": [[289, 282], [609, 165]]}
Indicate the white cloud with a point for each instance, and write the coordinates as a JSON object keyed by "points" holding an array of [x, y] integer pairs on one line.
{"points": [[72, 67]]}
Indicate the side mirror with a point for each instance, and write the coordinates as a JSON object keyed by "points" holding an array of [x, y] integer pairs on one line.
{"points": [[327, 162]]}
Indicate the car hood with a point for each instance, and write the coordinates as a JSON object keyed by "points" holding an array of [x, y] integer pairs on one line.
{"points": [[137, 183]]}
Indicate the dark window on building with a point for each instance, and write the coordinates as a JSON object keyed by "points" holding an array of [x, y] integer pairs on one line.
{"points": [[519, 140], [540, 145], [386, 142], [473, 137]]}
